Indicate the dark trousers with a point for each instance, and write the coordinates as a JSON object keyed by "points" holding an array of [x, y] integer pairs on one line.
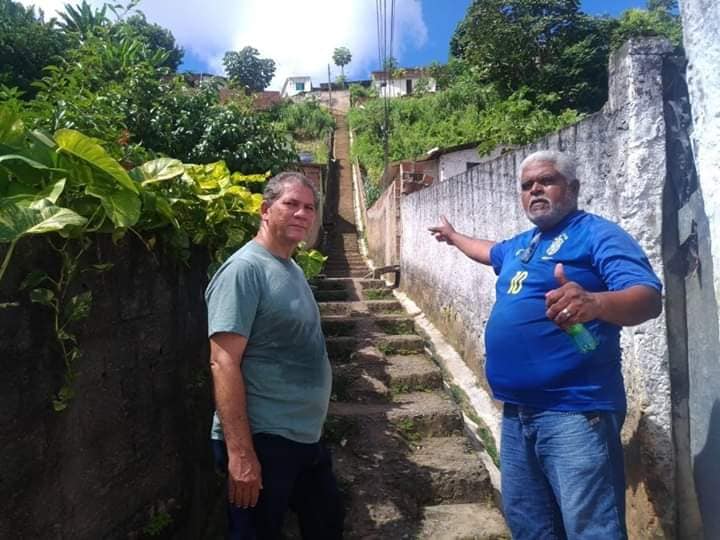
{"points": [[296, 476]]}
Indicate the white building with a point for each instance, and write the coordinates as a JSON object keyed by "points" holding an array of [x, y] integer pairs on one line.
{"points": [[296, 85], [453, 159], [401, 82]]}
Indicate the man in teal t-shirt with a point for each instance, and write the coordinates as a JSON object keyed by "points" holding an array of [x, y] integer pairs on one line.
{"points": [[272, 376]]}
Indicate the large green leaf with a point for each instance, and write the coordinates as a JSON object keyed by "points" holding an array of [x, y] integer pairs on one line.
{"points": [[83, 147], [12, 130], [122, 206], [32, 163], [17, 221], [25, 196], [157, 170], [23, 167], [154, 203]]}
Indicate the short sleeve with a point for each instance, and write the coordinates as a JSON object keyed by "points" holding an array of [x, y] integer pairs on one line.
{"points": [[232, 299], [497, 255], [621, 261]]}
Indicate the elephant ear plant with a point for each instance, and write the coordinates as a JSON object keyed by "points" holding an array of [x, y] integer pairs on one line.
{"points": [[68, 189]]}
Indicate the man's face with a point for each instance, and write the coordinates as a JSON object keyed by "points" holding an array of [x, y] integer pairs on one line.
{"points": [[547, 197], [290, 216]]}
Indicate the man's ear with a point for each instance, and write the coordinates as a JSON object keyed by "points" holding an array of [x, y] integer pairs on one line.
{"points": [[264, 207]]}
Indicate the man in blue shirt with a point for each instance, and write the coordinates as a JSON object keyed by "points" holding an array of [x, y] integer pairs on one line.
{"points": [[272, 377], [564, 405]]}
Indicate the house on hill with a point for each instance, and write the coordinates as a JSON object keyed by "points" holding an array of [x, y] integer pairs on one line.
{"points": [[296, 85], [401, 82], [437, 165]]}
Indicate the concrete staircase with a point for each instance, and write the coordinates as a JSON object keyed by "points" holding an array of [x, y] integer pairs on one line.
{"points": [[404, 466], [341, 243]]}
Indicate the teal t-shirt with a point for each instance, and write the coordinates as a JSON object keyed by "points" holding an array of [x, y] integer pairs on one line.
{"points": [[285, 365]]}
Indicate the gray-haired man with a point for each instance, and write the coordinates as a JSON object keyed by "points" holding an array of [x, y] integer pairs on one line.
{"points": [[272, 376], [561, 455]]}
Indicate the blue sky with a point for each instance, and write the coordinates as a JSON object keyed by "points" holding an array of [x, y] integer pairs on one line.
{"points": [[442, 17], [300, 35]]}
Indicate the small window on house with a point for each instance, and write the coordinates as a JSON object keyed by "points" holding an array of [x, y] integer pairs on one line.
{"points": [[470, 164], [408, 86], [299, 86]]}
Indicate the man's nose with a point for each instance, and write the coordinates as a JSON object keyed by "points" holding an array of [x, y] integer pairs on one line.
{"points": [[537, 187]]}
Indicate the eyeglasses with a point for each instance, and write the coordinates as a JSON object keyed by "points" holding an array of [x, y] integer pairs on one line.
{"points": [[526, 254]]}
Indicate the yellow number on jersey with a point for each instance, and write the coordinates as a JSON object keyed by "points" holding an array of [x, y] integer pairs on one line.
{"points": [[516, 282]]}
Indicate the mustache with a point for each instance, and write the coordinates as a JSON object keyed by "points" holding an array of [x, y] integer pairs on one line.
{"points": [[539, 199]]}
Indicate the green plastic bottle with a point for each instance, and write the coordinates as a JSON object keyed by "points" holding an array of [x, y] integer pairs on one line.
{"points": [[583, 339]]}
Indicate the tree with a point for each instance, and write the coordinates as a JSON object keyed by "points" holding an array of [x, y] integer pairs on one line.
{"points": [[248, 70], [83, 19], [342, 57], [660, 19], [27, 45], [526, 43], [154, 37]]}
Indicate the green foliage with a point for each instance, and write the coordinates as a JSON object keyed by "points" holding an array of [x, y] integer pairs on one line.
{"points": [[408, 430], [305, 120], [342, 57], [104, 88], [68, 188], [359, 93], [247, 143], [155, 37], [652, 22], [248, 70], [525, 43], [310, 260], [83, 20], [467, 111], [158, 523], [27, 45]]}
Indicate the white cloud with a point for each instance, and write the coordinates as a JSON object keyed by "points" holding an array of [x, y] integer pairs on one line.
{"points": [[299, 35]]}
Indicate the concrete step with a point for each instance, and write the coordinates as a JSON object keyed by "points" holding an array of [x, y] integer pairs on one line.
{"points": [[412, 417], [344, 283], [347, 273], [344, 259], [452, 471], [469, 521], [341, 348], [339, 295], [344, 325], [360, 308], [371, 377]]}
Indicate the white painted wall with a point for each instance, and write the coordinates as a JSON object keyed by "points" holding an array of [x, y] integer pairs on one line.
{"points": [[289, 86], [454, 163], [398, 87]]}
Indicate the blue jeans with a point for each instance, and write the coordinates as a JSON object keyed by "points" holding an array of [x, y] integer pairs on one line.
{"points": [[295, 476], [563, 474]]}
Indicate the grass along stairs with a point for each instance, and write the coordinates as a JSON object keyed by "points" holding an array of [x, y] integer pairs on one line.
{"points": [[404, 466]]}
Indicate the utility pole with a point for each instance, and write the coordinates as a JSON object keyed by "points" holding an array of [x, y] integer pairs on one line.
{"points": [[329, 90]]}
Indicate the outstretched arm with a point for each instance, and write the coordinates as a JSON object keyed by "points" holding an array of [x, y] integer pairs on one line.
{"points": [[244, 475], [475, 248]]}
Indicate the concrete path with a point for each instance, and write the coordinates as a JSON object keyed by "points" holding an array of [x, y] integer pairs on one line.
{"points": [[404, 465]]}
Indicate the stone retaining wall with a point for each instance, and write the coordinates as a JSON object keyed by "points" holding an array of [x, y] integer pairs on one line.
{"points": [[131, 451]]}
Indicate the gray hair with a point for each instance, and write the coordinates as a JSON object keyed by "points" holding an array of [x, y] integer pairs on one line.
{"points": [[564, 163], [277, 184]]}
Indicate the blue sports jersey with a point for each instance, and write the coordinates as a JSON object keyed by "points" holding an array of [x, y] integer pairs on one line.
{"points": [[532, 361]]}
